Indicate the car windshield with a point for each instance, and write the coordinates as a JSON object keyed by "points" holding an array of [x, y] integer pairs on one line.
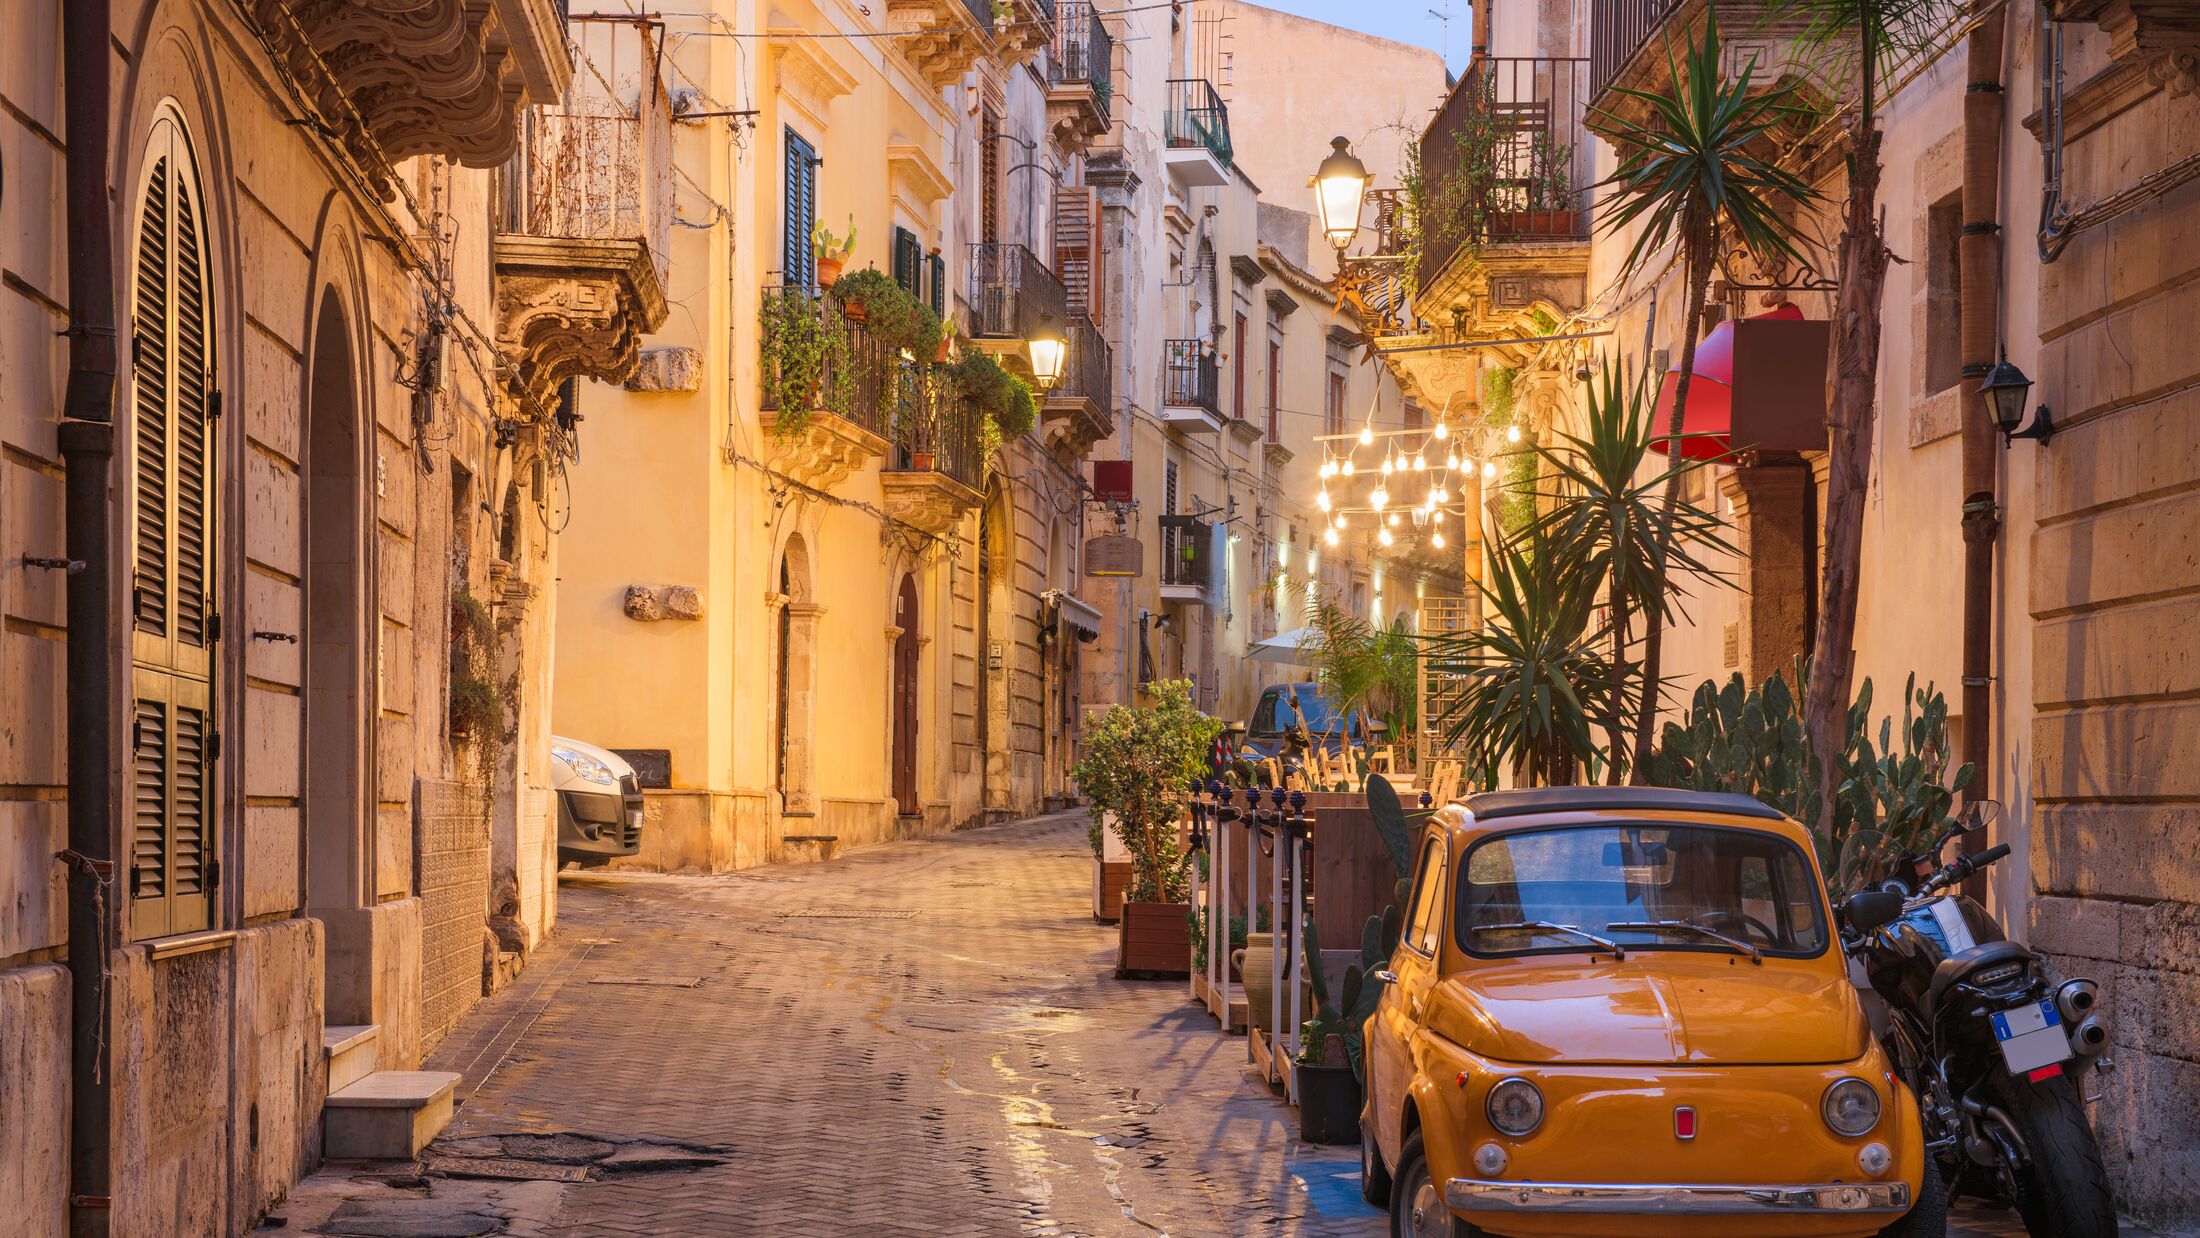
{"points": [[1643, 887], [1274, 716]]}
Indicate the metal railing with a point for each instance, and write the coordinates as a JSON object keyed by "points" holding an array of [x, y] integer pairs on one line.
{"points": [[1181, 533], [1088, 372], [1617, 30], [855, 377], [596, 165], [1084, 54], [1197, 117], [1506, 159], [1012, 292], [937, 430], [1188, 376]]}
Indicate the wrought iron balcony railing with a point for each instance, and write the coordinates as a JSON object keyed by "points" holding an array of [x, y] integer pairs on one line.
{"points": [[1197, 117], [1012, 292], [937, 431], [1617, 30], [1186, 545], [1506, 159], [1188, 376], [857, 377], [1088, 372], [1084, 53]]}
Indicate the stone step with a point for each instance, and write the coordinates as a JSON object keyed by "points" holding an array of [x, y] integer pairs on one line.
{"points": [[351, 1053], [388, 1116]]}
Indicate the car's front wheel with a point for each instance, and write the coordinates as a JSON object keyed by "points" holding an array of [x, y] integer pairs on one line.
{"points": [[1928, 1214], [1417, 1207]]}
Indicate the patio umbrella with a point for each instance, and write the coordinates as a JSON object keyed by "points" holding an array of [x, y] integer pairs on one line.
{"points": [[1295, 646], [1707, 425]]}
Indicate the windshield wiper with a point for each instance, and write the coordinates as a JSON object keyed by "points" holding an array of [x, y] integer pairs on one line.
{"points": [[1618, 951], [1755, 955]]}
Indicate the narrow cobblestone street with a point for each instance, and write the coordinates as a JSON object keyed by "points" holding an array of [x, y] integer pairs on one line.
{"points": [[917, 1038]]}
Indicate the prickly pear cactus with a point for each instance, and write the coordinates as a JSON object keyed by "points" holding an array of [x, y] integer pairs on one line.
{"points": [[1390, 822]]}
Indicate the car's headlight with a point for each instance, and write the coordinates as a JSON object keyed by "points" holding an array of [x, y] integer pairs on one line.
{"points": [[1515, 1107], [585, 766], [1851, 1107]]}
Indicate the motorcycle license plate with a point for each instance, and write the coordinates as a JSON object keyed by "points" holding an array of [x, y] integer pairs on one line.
{"points": [[2031, 1037]]}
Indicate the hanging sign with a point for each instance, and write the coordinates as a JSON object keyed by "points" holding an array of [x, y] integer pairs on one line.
{"points": [[1114, 554]]}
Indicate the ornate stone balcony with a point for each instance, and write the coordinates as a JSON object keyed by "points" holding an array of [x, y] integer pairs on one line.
{"points": [[1080, 77], [441, 77], [1080, 411], [933, 477], [582, 232], [944, 38], [1631, 42], [842, 423]]}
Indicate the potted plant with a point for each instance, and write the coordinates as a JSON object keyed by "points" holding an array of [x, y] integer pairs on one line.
{"points": [[475, 710], [1138, 767], [803, 351], [831, 252], [1331, 1044]]}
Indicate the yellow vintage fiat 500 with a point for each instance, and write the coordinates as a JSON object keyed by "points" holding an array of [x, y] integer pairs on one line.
{"points": [[1624, 1011]]}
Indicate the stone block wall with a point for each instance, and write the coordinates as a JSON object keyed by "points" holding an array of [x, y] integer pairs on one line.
{"points": [[34, 1099], [453, 861]]}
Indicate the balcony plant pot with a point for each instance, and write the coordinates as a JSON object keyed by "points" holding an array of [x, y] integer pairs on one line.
{"points": [[1155, 941], [828, 271], [922, 462], [1532, 223], [855, 311], [1329, 1101]]}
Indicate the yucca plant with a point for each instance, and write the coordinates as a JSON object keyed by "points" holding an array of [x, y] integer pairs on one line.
{"points": [[1696, 172], [1610, 499], [1534, 678]]}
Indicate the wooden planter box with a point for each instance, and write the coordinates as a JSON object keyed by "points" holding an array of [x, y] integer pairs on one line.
{"points": [[1109, 879], [1156, 941], [1533, 223]]}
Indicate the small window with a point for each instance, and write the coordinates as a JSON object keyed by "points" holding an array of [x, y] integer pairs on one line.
{"points": [[1944, 293], [1422, 930]]}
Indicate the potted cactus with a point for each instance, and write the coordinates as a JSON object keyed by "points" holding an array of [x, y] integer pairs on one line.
{"points": [[831, 251], [1138, 768], [1332, 1044]]}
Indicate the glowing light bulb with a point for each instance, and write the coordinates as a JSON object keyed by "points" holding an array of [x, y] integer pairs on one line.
{"points": [[1341, 521], [1512, 434], [1436, 540], [1451, 461], [1322, 500], [1437, 515], [1330, 536], [1392, 521], [1328, 468], [1419, 464], [1443, 431], [1348, 468], [1489, 471], [1367, 435], [1387, 466], [1384, 537], [1377, 499], [1443, 495]]}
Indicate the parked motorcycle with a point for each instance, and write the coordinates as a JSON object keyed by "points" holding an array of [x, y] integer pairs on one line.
{"points": [[1996, 1050]]}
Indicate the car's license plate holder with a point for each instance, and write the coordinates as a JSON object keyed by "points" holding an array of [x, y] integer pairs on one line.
{"points": [[2031, 1036]]}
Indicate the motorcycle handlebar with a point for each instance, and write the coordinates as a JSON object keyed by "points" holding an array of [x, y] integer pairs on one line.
{"points": [[1963, 866]]}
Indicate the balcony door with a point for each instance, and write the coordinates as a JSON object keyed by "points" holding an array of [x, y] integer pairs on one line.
{"points": [[906, 644]]}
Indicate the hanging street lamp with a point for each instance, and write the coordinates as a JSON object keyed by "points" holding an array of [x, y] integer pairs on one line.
{"points": [[1049, 349], [1340, 190]]}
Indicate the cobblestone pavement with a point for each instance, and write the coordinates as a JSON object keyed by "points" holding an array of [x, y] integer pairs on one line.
{"points": [[920, 1038]]}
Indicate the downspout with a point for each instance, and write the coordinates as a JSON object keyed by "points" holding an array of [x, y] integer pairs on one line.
{"points": [[1980, 254], [86, 437]]}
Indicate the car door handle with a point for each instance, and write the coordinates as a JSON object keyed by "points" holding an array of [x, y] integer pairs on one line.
{"points": [[1387, 976]]}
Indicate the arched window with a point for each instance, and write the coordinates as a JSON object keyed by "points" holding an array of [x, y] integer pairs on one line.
{"points": [[174, 738]]}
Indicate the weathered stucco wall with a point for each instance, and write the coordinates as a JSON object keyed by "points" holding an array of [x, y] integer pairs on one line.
{"points": [[34, 1099]]}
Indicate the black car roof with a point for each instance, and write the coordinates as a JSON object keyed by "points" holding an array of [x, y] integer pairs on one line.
{"points": [[1531, 800]]}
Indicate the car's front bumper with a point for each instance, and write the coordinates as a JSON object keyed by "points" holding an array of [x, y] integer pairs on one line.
{"points": [[600, 825], [1472, 1195]]}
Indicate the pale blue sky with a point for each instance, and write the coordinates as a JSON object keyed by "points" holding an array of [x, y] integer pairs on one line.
{"points": [[1408, 21]]}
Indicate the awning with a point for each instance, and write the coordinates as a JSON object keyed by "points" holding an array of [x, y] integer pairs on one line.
{"points": [[1760, 385], [1295, 647], [1076, 614]]}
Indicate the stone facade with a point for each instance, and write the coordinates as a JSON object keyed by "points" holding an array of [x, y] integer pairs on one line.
{"points": [[320, 439]]}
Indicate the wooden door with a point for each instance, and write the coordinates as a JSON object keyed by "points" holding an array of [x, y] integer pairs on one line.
{"points": [[905, 699]]}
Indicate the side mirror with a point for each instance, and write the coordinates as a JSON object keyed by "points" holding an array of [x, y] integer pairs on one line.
{"points": [[1871, 909], [1978, 814]]}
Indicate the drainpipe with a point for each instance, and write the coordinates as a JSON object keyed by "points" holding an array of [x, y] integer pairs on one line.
{"points": [[1980, 251], [87, 452]]}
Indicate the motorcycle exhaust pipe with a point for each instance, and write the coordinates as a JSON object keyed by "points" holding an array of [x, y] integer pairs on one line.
{"points": [[2089, 1039], [2075, 999]]}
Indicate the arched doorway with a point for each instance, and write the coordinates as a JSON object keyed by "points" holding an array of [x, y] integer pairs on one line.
{"points": [[794, 677], [337, 746], [906, 644]]}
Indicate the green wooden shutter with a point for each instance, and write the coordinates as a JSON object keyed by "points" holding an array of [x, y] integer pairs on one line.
{"points": [[908, 261], [174, 739], [939, 284], [800, 260]]}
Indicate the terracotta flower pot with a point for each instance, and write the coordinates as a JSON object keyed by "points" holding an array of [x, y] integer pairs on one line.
{"points": [[855, 311], [922, 461], [828, 271], [1155, 941], [947, 345]]}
